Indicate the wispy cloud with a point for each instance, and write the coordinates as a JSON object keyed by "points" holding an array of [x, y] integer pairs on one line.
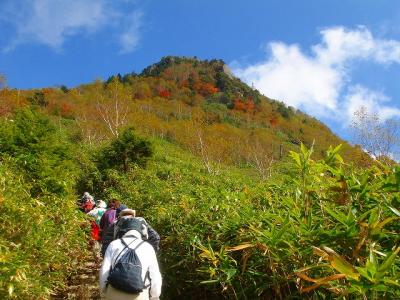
{"points": [[52, 22], [320, 82], [129, 38], [373, 101]]}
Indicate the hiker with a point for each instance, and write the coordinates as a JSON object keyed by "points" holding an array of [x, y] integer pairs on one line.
{"points": [[148, 233], [86, 203], [117, 281], [107, 220], [107, 235], [87, 197], [109, 215], [98, 211]]}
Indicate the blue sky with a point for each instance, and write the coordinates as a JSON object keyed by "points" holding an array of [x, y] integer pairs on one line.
{"points": [[326, 58]]}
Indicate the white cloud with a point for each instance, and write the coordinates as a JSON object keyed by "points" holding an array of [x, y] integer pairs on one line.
{"points": [[372, 101], [52, 22], [339, 45], [294, 78], [318, 82], [129, 38]]}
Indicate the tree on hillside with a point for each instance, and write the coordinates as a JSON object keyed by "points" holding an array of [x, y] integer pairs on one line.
{"points": [[125, 150], [113, 106], [9, 98], [378, 138], [260, 156], [88, 126], [87, 117], [204, 150]]}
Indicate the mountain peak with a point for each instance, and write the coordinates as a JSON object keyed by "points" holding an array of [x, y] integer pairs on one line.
{"points": [[212, 79]]}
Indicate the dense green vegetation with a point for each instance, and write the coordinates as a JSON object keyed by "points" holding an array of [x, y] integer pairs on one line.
{"points": [[41, 242], [323, 229], [319, 228], [244, 208]]}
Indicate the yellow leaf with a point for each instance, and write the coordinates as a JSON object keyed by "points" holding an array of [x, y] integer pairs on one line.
{"points": [[245, 258], [384, 222], [10, 289], [305, 277], [322, 281], [341, 265], [262, 247], [239, 247]]}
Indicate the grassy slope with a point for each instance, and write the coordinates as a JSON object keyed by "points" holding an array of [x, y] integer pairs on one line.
{"points": [[202, 218], [41, 240], [181, 200]]}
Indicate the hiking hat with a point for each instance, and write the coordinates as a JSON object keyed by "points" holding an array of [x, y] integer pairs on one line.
{"points": [[127, 212], [127, 224], [87, 197]]}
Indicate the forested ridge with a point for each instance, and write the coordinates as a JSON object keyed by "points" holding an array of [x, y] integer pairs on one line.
{"points": [[252, 199]]}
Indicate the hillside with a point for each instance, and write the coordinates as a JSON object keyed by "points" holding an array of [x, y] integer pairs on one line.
{"points": [[197, 104], [247, 204], [225, 234]]}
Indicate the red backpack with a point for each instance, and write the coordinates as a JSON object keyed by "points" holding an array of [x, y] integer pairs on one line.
{"points": [[87, 206]]}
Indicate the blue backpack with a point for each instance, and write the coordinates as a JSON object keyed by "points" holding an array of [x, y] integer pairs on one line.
{"points": [[127, 272]]}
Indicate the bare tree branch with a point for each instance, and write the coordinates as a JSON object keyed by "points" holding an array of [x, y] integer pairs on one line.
{"points": [[378, 138], [114, 107]]}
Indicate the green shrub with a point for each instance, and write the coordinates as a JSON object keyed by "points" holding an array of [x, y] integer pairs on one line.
{"points": [[40, 149], [41, 240], [316, 229], [124, 151]]}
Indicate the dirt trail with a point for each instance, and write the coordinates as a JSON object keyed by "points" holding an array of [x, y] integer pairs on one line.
{"points": [[84, 285]]}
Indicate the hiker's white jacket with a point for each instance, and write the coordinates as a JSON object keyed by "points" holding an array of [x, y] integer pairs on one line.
{"points": [[145, 253]]}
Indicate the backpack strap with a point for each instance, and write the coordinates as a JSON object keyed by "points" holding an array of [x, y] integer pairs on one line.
{"points": [[126, 246], [147, 276]]}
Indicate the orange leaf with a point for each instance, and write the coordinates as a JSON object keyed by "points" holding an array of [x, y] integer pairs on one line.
{"points": [[305, 277], [262, 247]]}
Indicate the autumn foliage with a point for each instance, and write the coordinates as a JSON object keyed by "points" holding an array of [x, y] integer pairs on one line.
{"points": [[208, 111], [164, 93], [245, 106], [205, 89]]}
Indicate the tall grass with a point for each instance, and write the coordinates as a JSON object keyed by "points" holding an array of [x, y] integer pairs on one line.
{"points": [[41, 240], [323, 229]]}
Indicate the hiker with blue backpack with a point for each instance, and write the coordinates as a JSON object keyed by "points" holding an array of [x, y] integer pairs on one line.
{"points": [[148, 232], [130, 268]]}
